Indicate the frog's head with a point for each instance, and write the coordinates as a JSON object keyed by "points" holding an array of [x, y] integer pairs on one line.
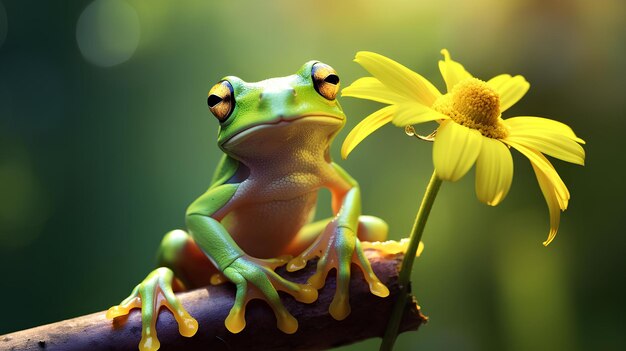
{"points": [[259, 117]]}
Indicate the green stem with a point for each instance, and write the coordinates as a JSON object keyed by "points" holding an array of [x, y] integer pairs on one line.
{"points": [[404, 278]]}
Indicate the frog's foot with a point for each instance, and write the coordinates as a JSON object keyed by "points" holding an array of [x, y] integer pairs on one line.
{"points": [[391, 247], [152, 293], [264, 283], [338, 247]]}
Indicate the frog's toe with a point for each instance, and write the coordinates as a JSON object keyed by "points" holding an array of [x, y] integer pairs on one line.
{"points": [[316, 249], [306, 293], [187, 325], [132, 301], [302, 292], [376, 287], [284, 320], [236, 319], [287, 323], [324, 265], [149, 343], [340, 306], [296, 264]]}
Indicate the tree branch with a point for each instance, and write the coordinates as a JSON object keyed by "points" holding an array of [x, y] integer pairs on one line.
{"points": [[210, 305]]}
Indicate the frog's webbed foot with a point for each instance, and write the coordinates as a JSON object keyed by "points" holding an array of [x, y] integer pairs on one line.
{"points": [[338, 247], [152, 293], [255, 279]]}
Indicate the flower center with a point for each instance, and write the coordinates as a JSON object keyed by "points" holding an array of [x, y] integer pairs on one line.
{"points": [[477, 101], [474, 104]]}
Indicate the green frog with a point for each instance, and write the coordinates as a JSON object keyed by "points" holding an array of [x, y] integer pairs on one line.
{"points": [[258, 212]]}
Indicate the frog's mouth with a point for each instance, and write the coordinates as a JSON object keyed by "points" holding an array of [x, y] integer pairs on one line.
{"points": [[324, 123]]}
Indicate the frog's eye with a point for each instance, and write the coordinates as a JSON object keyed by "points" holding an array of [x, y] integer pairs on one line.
{"points": [[221, 100], [325, 80]]}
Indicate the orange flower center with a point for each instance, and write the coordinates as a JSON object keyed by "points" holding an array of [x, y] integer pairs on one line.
{"points": [[474, 104]]}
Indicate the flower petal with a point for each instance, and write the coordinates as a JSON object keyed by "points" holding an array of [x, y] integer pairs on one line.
{"points": [[456, 149], [554, 190], [398, 78], [510, 89], [542, 163], [550, 143], [552, 200], [494, 172], [409, 113], [525, 123], [372, 89], [452, 71], [366, 127]]}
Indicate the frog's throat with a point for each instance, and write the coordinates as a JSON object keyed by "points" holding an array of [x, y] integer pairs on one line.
{"points": [[321, 118]]}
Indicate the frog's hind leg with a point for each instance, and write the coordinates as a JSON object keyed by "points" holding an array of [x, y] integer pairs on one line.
{"points": [[179, 252], [183, 265], [372, 229]]}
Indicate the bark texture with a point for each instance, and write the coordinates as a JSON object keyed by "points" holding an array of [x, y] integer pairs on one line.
{"points": [[210, 306]]}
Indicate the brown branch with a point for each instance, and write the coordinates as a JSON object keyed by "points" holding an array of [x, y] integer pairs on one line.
{"points": [[317, 329]]}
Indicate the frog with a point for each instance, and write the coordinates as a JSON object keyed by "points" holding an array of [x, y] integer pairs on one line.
{"points": [[258, 213]]}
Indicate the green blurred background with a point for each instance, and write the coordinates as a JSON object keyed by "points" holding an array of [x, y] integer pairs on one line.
{"points": [[105, 138]]}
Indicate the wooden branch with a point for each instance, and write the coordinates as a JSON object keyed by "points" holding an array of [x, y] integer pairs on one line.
{"points": [[317, 329]]}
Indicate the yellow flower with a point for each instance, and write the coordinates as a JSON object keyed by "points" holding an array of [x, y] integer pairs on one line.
{"points": [[471, 127]]}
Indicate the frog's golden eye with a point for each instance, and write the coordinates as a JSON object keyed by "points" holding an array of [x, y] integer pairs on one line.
{"points": [[325, 80], [221, 100]]}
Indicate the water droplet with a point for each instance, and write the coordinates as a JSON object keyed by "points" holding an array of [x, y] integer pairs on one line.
{"points": [[409, 130]]}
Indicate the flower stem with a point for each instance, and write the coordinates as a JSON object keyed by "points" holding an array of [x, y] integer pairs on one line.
{"points": [[404, 278]]}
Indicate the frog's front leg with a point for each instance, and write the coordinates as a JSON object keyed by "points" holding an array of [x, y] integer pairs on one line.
{"points": [[254, 277], [339, 247]]}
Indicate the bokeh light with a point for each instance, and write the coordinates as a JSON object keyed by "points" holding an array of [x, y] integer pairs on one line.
{"points": [[108, 32]]}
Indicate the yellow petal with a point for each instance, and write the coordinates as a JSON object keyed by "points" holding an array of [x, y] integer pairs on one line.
{"points": [[456, 149], [366, 127], [494, 172], [524, 123], [542, 163], [372, 89], [451, 71], [409, 113], [510, 89], [550, 143], [398, 78], [552, 200]]}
